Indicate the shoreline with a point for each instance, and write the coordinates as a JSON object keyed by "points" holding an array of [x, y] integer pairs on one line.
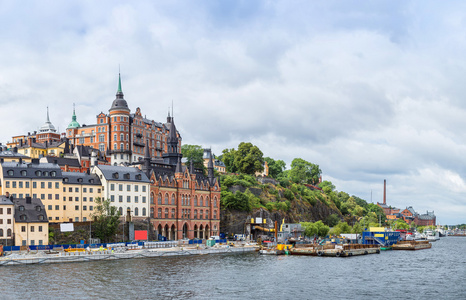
{"points": [[68, 257]]}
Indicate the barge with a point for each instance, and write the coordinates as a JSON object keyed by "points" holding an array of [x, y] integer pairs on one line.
{"points": [[412, 245]]}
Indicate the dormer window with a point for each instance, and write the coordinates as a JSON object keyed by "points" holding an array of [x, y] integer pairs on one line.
{"points": [[38, 173], [40, 217], [65, 179], [115, 175], [23, 173], [91, 180], [21, 208], [53, 174], [46, 173], [38, 208], [23, 217], [138, 176], [80, 180], [10, 172], [126, 176]]}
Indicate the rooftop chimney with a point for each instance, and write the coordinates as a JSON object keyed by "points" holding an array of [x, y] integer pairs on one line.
{"points": [[384, 191]]}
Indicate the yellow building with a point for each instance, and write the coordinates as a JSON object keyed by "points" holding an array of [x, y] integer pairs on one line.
{"points": [[31, 226], [53, 187], [38, 150], [79, 193]]}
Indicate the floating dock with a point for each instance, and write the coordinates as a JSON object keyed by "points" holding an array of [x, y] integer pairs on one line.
{"points": [[412, 245]]}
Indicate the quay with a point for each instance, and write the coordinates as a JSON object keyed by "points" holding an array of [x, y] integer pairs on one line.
{"points": [[42, 257]]}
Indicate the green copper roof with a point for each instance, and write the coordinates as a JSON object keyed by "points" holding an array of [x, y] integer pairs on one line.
{"points": [[119, 83], [74, 123]]}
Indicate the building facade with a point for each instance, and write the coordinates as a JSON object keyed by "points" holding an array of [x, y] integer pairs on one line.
{"points": [[31, 226], [6, 221]]}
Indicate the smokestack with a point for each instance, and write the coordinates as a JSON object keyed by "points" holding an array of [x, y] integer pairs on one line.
{"points": [[384, 191]]}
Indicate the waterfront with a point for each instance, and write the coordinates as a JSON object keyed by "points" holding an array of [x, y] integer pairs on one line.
{"points": [[436, 273]]}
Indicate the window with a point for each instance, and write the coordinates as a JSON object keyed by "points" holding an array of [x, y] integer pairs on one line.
{"points": [[23, 228], [64, 207], [128, 188], [136, 211], [49, 185], [91, 199], [49, 207], [76, 190], [34, 185], [42, 196], [32, 228], [1, 210], [76, 207], [166, 199], [76, 198], [8, 221], [42, 185], [70, 198], [57, 196], [20, 185], [27, 184], [143, 199], [84, 207], [143, 211], [120, 198], [8, 232], [32, 243], [215, 215], [159, 199], [84, 199], [112, 187], [57, 207], [143, 188], [21, 208], [49, 196], [40, 243], [166, 213], [173, 213], [136, 199], [101, 137], [23, 242], [1, 232], [112, 198], [120, 187], [200, 214], [14, 184], [84, 190], [70, 189], [128, 199], [173, 199], [206, 214], [136, 188], [40, 228], [91, 190], [91, 207], [195, 214]]}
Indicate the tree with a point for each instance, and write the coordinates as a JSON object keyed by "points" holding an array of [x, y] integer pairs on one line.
{"points": [[228, 158], [194, 154], [106, 219], [276, 167], [304, 172], [332, 220], [248, 159]]}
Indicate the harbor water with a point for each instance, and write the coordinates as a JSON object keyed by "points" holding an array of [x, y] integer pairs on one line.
{"points": [[436, 273]]}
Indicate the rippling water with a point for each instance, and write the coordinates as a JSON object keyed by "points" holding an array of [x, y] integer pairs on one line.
{"points": [[437, 273]]}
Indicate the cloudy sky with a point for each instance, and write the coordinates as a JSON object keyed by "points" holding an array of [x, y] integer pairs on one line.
{"points": [[368, 90]]}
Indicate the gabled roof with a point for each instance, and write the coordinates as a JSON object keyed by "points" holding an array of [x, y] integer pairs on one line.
{"points": [[32, 211], [4, 200], [80, 178], [31, 170], [119, 173], [12, 154], [62, 161]]}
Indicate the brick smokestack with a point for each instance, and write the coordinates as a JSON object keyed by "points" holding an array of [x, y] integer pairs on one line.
{"points": [[384, 191]]}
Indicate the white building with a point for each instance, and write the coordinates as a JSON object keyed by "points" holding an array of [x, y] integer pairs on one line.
{"points": [[7, 209], [126, 187]]}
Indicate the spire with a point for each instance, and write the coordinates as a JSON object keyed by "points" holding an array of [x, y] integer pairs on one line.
{"points": [[74, 123], [210, 168], [119, 83], [146, 166], [48, 119]]}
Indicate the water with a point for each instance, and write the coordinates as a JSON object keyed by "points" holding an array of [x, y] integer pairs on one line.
{"points": [[436, 273]]}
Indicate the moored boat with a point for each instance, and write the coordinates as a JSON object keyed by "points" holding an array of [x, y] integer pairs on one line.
{"points": [[412, 245]]}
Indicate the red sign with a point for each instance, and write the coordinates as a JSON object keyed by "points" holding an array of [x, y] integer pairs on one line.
{"points": [[140, 235]]}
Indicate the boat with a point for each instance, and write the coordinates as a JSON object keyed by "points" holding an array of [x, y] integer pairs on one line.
{"points": [[412, 245]]}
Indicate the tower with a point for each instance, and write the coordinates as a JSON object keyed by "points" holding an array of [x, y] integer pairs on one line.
{"points": [[118, 129], [173, 154]]}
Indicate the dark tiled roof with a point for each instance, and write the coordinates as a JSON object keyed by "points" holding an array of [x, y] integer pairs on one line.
{"points": [[62, 161], [32, 211], [122, 173], [30, 170], [80, 178]]}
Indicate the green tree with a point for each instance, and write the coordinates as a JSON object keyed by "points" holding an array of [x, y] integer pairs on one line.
{"points": [[194, 154], [106, 219], [276, 167], [332, 220], [304, 172], [322, 229], [248, 159], [309, 229], [228, 158]]}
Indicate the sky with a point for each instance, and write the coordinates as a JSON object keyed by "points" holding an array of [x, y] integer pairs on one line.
{"points": [[368, 90]]}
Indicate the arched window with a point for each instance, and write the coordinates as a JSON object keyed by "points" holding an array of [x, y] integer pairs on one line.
{"points": [[182, 200], [215, 215], [201, 201], [195, 200], [189, 199], [207, 201], [166, 213], [173, 213], [136, 211], [166, 199], [159, 213], [8, 232], [1, 232], [152, 212], [215, 202], [151, 198], [173, 199], [195, 214], [206, 214], [201, 212], [121, 146], [121, 136], [114, 147], [159, 199], [115, 137]]}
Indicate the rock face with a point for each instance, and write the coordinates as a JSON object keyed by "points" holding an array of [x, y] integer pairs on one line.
{"points": [[236, 222]]}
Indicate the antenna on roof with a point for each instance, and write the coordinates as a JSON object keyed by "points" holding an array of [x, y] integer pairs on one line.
{"points": [[172, 109]]}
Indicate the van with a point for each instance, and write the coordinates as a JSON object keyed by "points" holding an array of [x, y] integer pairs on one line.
{"points": [[215, 237]]}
